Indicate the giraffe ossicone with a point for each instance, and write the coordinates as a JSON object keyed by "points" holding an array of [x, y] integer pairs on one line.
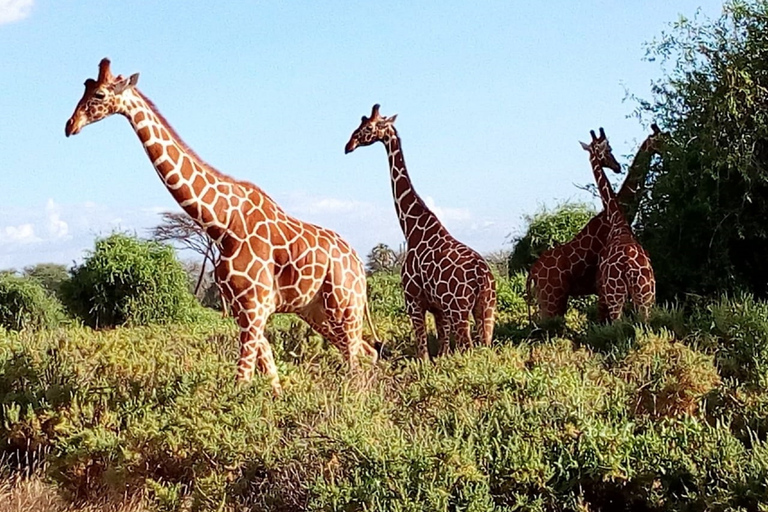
{"points": [[269, 261], [440, 275]]}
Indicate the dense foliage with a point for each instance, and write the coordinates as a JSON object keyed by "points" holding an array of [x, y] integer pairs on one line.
{"points": [[668, 417], [546, 229], [51, 276], [25, 304], [705, 221], [126, 280]]}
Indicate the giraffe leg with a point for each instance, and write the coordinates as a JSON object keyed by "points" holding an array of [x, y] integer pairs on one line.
{"points": [[483, 313], [443, 333], [255, 351], [416, 314], [613, 303], [463, 333]]}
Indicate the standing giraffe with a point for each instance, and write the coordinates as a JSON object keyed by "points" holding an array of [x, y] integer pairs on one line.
{"points": [[440, 275], [268, 261], [624, 269], [570, 269]]}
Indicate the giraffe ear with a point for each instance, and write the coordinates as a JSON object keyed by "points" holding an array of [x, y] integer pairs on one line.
{"points": [[125, 83], [584, 146], [391, 119]]}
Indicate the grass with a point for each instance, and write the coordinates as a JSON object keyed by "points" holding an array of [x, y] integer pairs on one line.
{"points": [[620, 417]]}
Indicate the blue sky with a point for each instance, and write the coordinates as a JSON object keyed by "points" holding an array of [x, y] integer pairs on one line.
{"points": [[492, 98]]}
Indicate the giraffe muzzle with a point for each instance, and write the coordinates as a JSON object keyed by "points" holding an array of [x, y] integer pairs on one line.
{"points": [[71, 128], [350, 147]]}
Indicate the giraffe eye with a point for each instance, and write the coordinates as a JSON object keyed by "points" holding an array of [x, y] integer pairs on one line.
{"points": [[98, 95]]}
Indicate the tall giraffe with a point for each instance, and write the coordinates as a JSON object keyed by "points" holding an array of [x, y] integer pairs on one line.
{"points": [[268, 261], [624, 269], [440, 275], [570, 269]]}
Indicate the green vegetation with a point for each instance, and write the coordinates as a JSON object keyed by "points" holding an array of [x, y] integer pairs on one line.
{"points": [[705, 222], [666, 417], [129, 281], [546, 229], [25, 304]]}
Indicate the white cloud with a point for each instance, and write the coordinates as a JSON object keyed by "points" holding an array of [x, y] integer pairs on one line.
{"points": [[57, 228], [21, 234], [446, 214], [14, 10]]}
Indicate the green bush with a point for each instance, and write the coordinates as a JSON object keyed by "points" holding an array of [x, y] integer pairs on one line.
{"points": [[129, 281], [24, 304], [546, 229], [534, 427], [740, 343]]}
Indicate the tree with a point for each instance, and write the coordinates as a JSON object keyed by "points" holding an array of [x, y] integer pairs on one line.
{"points": [[179, 228], [49, 275], [546, 229], [382, 259], [705, 222]]}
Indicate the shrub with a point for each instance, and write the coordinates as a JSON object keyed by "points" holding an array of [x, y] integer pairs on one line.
{"points": [[670, 378], [546, 229], [129, 281], [740, 330], [24, 304]]}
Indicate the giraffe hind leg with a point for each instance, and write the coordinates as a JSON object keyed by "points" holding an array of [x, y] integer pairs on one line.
{"points": [[483, 314]]}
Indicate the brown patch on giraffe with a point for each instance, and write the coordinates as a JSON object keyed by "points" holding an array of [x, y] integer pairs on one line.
{"points": [[172, 179], [186, 169], [138, 118], [165, 167], [209, 196], [144, 134], [173, 153]]}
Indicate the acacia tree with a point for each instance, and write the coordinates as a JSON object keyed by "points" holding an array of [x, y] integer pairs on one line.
{"points": [[381, 259], [179, 228], [705, 222]]}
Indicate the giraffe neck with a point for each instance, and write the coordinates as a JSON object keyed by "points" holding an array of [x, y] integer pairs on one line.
{"points": [[607, 195], [630, 190], [412, 213], [192, 183]]}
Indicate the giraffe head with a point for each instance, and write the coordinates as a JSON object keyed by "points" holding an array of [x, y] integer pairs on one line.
{"points": [[600, 148], [101, 99], [371, 129], [654, 143]]}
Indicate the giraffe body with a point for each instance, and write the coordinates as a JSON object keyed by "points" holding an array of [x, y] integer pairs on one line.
{"points": [[269, 261], [571, 269], [440, 275], [624, 267]]}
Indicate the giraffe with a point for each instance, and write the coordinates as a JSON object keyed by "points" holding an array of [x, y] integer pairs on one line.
{"points": [[570, 269], [268, 261], [440, 275], [624, 268]]}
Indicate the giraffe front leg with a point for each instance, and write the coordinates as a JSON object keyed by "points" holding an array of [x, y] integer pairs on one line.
{"points": [[255, 350], [443, 327], [416, 314]]}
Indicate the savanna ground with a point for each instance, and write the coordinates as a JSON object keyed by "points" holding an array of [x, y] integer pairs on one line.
{"points": [[669, 416]]}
